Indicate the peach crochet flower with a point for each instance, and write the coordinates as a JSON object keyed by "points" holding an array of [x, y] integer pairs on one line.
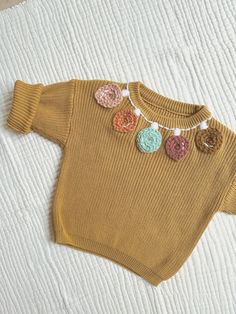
{"points": [[109, 95], [125, 120]]}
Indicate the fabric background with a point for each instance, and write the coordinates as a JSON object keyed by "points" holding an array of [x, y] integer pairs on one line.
{"points": [[184, 49]]}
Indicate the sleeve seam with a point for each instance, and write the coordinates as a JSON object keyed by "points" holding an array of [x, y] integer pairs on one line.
{"points": [[71, 113], [48, 137], [224, 195]]}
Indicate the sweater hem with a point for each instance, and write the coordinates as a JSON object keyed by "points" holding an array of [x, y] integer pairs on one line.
{"points": [[130, 263]]}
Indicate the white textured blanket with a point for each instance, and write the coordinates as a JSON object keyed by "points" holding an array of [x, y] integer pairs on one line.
{"points": [[185, 49]]}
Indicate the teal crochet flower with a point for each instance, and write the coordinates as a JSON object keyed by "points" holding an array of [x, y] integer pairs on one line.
{"points": [[148, 140]]}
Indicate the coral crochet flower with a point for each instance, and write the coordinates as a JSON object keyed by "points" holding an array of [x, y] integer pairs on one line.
{"points": [[109, 96], [209, 140], [125, 120], [177, 147], [148, 140]]}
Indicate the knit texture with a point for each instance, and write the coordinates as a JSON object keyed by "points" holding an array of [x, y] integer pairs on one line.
{"points": [[145, 211]]}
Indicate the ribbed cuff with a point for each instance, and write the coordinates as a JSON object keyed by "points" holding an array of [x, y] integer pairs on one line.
{"points": [[26, 99]]}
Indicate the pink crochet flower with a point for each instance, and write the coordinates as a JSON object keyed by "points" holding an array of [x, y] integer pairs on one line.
{"points": [[177, 147], [109, 96]]}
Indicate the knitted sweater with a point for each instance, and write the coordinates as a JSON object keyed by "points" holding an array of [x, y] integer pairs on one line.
{"points": [[142, 175]]}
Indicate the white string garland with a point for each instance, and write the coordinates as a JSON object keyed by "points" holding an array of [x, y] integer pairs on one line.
{"points": [[149, 139], [154, 124]]}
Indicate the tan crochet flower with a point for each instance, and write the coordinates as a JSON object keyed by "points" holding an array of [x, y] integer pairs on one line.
{"points": [[109, 96], [209, 140], [125, 120]]}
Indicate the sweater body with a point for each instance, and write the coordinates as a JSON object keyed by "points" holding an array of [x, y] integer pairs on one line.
{"points": [[144, 211]]}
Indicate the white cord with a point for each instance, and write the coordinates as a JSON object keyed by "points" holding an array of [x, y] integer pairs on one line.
{"points": [[203, 123]]}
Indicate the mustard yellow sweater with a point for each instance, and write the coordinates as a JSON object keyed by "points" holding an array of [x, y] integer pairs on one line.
{"points": [[142, 174]]}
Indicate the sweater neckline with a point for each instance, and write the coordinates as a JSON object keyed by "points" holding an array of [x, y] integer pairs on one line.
{"points": [[167, 111]]}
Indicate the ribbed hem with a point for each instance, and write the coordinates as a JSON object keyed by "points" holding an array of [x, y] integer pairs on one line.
{"points": [[113, 254], [26, 99], [168, 112]]}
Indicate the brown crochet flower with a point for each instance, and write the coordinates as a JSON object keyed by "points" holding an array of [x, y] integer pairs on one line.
{"points": [[209, 140], [125, 120], [109, 95], [177, 147]]}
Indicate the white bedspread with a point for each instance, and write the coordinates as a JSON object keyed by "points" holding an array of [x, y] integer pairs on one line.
{"points": [[185, 49]]}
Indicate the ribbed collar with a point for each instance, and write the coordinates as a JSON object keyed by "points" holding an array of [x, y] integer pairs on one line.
{"points": [[166, 111]]}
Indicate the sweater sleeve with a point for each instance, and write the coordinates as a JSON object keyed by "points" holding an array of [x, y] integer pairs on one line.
{"points": [[45, 109], [229, 201]]}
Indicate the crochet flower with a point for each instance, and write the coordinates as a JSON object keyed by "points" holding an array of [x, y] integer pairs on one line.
{"points": [[177, 147], [209, 140], [109, 95], [125, 120], [148, 140]]}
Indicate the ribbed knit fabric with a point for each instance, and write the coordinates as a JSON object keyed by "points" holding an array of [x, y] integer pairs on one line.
{"points": [[144, 211]]}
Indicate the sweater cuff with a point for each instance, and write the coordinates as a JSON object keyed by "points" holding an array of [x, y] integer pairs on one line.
{"points": [[26, 98]]}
